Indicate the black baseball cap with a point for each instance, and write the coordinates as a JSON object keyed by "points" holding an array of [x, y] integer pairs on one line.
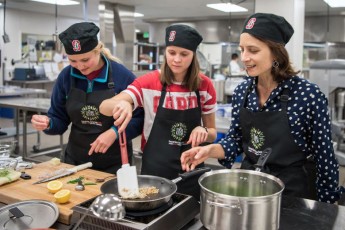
{"points": [[182, 36], [80, 38], [269, 26]]}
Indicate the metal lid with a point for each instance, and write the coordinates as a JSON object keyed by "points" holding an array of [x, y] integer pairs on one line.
{"points": [[28, 214]]}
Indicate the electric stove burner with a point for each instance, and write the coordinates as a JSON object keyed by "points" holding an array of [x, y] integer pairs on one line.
{"points": [[177, 213], [131, 214]]}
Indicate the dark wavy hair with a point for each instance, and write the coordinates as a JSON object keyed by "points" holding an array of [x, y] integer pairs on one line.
{"points": [[192, 79], [280, 54]]}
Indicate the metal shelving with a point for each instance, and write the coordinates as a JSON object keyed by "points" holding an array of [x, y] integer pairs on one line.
{"points": [[147, 57]]}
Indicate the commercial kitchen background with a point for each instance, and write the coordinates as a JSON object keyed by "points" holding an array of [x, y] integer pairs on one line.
{"points": [[29, 41]]}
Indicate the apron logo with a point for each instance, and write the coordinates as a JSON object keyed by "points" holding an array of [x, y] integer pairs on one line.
{"points": [[91, 114], [76, 45], [257, 138], [178, 131]]}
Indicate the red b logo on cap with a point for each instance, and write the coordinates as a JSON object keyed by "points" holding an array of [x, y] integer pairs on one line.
{"points": [[250, 23], [172, 36], [76, 45]]}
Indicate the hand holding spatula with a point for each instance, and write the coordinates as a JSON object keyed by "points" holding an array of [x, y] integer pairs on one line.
{"points": [[127, 179]]}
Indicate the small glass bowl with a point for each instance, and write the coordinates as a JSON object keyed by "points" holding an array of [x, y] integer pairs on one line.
{"points": [[8, 163], [7, 148]]}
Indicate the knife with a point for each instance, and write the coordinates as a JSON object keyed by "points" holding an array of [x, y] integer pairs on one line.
{"points": [[66, 172]]}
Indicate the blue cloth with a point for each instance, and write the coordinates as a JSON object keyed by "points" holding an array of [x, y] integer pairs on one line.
{"points": [[122, 77], [309, 123]]}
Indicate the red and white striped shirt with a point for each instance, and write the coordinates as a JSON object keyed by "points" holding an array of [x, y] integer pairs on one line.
{"points": [[146, 91]]}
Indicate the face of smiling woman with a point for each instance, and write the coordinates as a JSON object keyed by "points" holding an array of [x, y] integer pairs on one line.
{"points": [[179, 60], [85, 63], [255, 55]]}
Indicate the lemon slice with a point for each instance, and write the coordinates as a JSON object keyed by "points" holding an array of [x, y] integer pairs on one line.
{"points": [[54, 186], [62, 196], [55, 161]]}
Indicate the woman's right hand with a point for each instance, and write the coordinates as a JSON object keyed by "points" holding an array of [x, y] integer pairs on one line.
{"points": [[193, 157], [122, 113], [40, 122]]}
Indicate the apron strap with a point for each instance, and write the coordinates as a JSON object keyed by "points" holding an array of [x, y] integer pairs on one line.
{"points": [[161, 100], [285, 97]]}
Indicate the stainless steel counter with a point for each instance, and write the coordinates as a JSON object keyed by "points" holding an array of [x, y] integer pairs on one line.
{"points": [[7, 91], [296, 213], [301, 214], [22, 106]]}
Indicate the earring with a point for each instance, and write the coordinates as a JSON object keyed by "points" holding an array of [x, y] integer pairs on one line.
{"points": [[275, 64]]}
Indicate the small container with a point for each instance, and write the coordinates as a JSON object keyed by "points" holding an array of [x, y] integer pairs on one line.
{"points": [[5, 151], [8, 163], [7, 148]]}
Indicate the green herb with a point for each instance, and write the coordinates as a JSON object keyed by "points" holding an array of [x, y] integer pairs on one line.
{"points": [[89, 183], [4, 173], [75, 181]]}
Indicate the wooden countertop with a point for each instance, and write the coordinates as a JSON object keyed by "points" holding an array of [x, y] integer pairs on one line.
{"points": [[22, 190]]}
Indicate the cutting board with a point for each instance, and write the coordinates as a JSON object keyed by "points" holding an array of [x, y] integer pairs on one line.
{"points": [[22, 190]]}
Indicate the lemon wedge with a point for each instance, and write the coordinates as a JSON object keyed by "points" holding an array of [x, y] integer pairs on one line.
{"points": [[54, 186], [55, 161], [62, 196]]}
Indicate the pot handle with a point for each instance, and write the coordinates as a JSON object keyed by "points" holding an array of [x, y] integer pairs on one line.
{"points": [[236, 206], [194, 172]]}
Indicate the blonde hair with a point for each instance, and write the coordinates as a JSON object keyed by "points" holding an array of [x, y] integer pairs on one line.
{"points": [[102, 49], [191, 80]]}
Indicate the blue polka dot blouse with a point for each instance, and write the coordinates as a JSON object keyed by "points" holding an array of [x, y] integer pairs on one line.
{"points": [[309, 123]]}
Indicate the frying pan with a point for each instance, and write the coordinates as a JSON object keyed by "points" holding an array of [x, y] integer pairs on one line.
{"points": [[166, 187]]}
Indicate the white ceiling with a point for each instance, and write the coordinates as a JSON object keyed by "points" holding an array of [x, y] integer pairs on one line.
{"points": [[155, 10]]}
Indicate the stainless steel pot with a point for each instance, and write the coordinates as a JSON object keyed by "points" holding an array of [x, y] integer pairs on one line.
{"points": [[240, 199]]}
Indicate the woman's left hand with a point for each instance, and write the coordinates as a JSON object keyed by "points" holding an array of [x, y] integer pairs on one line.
{"points": [[103, 142], [198, 136]]}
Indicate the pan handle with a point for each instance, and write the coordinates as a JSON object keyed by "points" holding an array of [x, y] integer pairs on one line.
{"points": [[262, 159], [123, 147], [194, 172]]}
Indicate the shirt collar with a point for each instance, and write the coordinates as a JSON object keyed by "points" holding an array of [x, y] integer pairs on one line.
{"points": [[103, 76]]}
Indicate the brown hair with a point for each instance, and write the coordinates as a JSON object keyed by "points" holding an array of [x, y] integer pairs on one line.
{"points": [[280, 54], [192, 79], [102, 49]]}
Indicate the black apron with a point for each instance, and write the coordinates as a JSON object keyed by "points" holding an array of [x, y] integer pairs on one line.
{"points": [[87, 124], [287, 161], [162, 152]]}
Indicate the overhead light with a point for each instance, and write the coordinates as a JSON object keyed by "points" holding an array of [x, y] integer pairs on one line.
{"points": [[137, 31], [335, 3], [227, 7], [58, 2], [138, 15]]}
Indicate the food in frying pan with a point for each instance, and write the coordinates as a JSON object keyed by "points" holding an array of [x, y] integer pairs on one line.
{"points": [[143, 192]]}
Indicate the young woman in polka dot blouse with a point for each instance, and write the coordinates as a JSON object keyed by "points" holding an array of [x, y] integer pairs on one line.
{"points": [[276, 109]]}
